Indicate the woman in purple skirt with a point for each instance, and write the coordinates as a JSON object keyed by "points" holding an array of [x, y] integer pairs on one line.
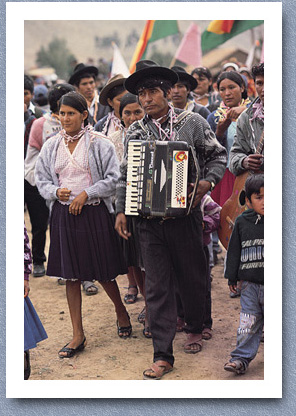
{"points": [[78, 171]]}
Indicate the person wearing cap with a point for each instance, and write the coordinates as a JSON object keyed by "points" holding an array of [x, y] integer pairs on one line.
{"points": [[171, 246], [84, 80], [42, 129], [230, 66], [250, 128], [41, 97], [244, 71], [110, 97], [181, 92], [204, 93]]}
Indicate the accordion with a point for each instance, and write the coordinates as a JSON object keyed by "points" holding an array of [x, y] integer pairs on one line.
{"points": [[157, 176]]}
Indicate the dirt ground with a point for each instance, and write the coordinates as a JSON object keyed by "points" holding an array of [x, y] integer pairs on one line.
{"points": [[106, 357]]}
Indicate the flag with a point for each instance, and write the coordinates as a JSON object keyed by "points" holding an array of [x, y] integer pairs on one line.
{"points": [[153, 30], [189, 50], [219, 31], [118, 63], [262, 53]]}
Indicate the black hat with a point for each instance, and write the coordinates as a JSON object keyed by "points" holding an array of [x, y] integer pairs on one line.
{"points": [[81, 69], [149, 69], [184, 76]]}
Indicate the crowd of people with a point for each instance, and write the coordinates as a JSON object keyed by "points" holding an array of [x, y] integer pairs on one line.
{"points": [[76, 145]]}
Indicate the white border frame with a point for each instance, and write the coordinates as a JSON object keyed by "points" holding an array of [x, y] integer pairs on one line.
{"points": [[271, 386]]}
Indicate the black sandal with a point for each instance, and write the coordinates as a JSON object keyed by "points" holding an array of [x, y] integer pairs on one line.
{"points": [[72, 351], [130, 298], [142, 315], [124, 329]]}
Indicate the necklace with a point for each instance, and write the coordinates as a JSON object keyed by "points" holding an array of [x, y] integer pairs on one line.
{"points": [[77, 136], [168, 133]]}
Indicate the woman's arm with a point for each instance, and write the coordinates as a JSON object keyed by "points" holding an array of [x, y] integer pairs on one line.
{"points": [[43, 177]]}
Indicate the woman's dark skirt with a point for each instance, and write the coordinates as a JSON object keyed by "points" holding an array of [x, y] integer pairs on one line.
{"points": [[131, 247], [86, 246], [34, 331]]}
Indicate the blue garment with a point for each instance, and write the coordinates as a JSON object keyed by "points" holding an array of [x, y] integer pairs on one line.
{"points": [[251, 323], [34, 331]]}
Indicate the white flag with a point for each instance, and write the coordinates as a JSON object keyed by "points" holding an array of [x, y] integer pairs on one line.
{"points": [[118, 64]]}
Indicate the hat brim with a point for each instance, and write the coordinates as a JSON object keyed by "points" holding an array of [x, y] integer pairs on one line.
{"points": [[189, 79], [105, 91], [85, 70], [165, 73]]}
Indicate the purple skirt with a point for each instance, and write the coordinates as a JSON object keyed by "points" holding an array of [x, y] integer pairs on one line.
{"points": [[86, 246]]}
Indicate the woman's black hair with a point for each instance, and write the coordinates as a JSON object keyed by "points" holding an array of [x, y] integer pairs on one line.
{"points": [[127, 99], [75, 100], [235, 77], [119, 89], [55, 93], [253, 185], [203, 71], [154, 82]]}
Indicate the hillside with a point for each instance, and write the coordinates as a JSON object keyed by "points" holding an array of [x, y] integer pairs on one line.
{"points": [[81, 37]]}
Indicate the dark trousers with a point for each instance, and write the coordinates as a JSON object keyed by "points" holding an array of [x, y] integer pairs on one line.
{"points": [[173, 248], [39, 214], [208, 322]]}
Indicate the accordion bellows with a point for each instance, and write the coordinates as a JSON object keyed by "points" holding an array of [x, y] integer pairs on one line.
{"points": [[157, 175]]}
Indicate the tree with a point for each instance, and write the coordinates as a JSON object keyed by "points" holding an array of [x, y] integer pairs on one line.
{"points": [[58, 56]]}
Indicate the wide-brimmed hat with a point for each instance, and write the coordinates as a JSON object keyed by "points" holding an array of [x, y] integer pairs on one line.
{"points": [[81, 69], [149, 69], [184, 76], [111, 83]]}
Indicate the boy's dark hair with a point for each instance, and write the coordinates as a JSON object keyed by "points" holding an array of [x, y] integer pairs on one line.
{"points": [[85, 75], [253, 185], [258, 70], [28, 84], [164, 85]]}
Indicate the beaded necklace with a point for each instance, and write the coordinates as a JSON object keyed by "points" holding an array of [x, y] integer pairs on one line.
{"points": [[77, 136], [168, 133]]}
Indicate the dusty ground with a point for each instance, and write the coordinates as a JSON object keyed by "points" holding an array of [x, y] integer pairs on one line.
{"points": [[106, 357]]}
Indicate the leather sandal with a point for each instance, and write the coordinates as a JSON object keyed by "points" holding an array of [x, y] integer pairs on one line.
{"points": [[70, 352], [236, 366], [207, 334], [121, 330], [157, 370], [193, 339], [130, 298], [142, 315]]}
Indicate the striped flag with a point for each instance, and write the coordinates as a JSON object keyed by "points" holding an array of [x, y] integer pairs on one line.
{"points": [[153, 30], [219, 31]]}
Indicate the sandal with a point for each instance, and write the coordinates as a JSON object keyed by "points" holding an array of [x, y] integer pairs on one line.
{"points": [[89, 288], [159, 369], [130, 298], [193, 339], [142, 315], [180, 324], [121, 330], [72, 351], [206, 334], [146, 332], [236, 366]]}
